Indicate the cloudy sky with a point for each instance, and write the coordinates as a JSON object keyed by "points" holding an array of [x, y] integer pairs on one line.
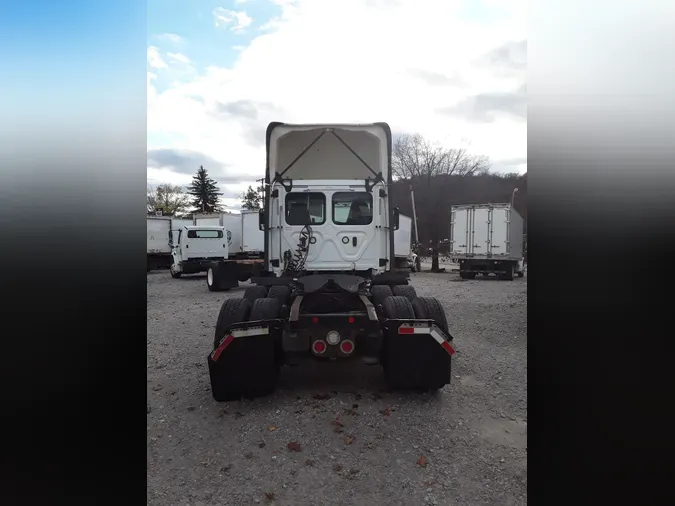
{"points": [[220, 71]]}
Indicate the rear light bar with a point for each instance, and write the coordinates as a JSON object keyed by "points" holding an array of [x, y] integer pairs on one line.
{"points": [[432, 330]]}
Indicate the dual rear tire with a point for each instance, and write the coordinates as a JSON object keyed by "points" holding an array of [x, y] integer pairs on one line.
{"points": [[242, 380], [415, 365]]}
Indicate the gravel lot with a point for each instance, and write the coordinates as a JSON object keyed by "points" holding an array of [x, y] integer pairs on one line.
{"points": [[464, 445]]}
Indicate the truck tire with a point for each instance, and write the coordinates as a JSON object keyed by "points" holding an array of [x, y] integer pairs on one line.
{"points": [[379, 294], [508, 275], [213, 280], [254, 293], [467, 275], [429, 308], [279, 292], [228, 384], [264, 308], [424, 378], [398, 308], [232, 311], [406, 291]]}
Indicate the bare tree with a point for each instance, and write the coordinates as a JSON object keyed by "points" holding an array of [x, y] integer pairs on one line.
{"points": [[170, 199], [427, 167]]}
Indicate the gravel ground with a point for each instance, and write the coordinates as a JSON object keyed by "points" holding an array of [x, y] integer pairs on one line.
{"points": [[357, 443]]}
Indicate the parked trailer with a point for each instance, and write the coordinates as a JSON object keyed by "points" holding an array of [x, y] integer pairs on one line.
{"points": [[405, 258], [157, 242], [487, 239], [329, 289], [252, 238]]}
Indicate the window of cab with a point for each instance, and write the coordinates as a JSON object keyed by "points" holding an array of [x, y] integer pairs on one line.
{"points": [[352, 208], [305, 207], [205, 234]]}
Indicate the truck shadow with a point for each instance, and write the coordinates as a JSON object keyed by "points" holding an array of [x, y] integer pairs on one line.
{"points": [[336, 378]]}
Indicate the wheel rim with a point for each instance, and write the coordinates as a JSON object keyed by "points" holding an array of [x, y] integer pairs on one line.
{"points": [[209, 276]]}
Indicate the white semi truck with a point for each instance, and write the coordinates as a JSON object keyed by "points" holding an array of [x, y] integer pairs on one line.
{"points": [[329, 288], [487, 239]]}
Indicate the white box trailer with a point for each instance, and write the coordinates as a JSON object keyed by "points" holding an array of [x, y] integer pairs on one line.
{"points": [[487, 239], [252, 238], [157, 242], [403, 254]]}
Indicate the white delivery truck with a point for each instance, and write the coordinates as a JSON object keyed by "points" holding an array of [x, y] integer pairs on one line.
{"points": [[244, 237], [195, 247], [176, 225], [487, 239], [193, 254], [157, 242], [228, 220], [405, 258]]}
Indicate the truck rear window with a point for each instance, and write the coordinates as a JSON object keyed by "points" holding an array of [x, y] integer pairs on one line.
{"points": [[303, 206], [205, 234], [352, 208]]}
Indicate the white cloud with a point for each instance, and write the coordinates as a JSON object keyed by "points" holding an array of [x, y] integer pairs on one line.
{"points": [[154, 59], [237, 21], [172, 37], [178, 58], [416, 64]]}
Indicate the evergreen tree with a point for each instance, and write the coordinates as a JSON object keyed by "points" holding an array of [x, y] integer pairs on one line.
{"points": [[204, 192]]}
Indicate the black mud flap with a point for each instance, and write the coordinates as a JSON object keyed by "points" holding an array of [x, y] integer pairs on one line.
{"points": [[245, 363], [417, 354]]}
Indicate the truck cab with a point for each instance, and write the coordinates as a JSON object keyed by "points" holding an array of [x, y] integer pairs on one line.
{"points": [[196, 247], [327, 207]]}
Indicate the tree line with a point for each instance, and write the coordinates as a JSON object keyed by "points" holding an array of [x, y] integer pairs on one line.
{"points": [[442, 177], [439, 176], [201, 196]]}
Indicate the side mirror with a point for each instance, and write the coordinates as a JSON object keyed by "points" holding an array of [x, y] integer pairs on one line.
{"points": [[397, 218], [262, 219]]}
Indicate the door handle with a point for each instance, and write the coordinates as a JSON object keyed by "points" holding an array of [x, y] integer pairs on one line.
{"points": [[354, 241]]}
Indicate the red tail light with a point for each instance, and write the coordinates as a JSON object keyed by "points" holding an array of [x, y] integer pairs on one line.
{"points": [[347, 347], [319, 347]]}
